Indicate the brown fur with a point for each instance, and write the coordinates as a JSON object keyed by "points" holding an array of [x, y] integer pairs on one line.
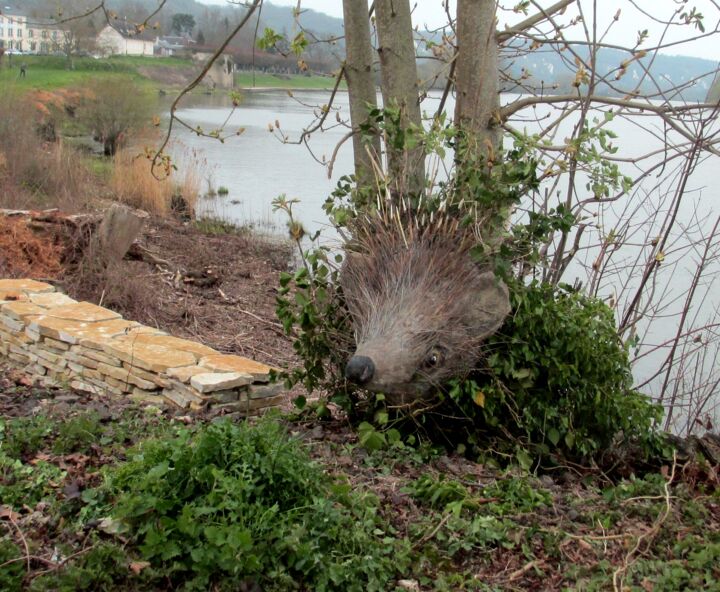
{"points": [[420, 305]]}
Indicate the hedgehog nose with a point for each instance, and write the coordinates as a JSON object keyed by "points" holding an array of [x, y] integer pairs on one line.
{"points": [[360, 369]]}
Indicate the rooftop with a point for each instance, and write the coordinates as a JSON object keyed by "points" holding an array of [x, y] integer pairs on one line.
{"points": [[129, 31]]}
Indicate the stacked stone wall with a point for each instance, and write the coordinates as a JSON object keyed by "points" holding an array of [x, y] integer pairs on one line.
{"points": [[62, 342]]}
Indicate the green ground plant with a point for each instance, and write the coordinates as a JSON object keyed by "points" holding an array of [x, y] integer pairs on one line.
{"points": [[228, 505], [238, 506], [13, 569]]}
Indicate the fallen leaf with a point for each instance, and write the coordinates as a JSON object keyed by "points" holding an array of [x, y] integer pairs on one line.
{"points": [[8, 512], [137, 566], [72, 490], [110, 526]]}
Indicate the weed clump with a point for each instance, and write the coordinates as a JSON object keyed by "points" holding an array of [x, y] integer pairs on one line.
{"points": [[231, 505], [134, 184]]}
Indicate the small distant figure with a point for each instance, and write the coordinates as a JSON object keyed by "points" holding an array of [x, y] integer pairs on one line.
{"points": [[23, 70]]}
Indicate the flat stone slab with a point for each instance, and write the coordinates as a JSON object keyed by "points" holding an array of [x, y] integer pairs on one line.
{"points": [[14, 289], [98, 333], [50, 299], [74, 332], [21, 309], [229, 363], [184, 345], [209, 382], [265, 391], [84, 312], [148, 356], [185, 373]]}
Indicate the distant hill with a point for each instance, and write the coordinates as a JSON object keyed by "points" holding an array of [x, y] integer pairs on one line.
{"points": [[694, 75]]}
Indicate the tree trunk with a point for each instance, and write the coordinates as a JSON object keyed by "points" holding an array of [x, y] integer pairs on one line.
{"points": [[476, 74], [400, 88], [361, 85], [477, 103]]}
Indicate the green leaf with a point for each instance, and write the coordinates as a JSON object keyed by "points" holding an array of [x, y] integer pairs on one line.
{"points": [[370, 438], [554, 436], [524, 459], [569, 439]]}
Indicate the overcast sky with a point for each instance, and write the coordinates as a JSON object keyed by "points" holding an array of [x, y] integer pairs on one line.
{"points": [[624, 32]]}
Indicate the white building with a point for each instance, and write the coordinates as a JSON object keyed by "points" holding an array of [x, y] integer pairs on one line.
{"points": [[19, 32], [123, 40], [13, 31]]}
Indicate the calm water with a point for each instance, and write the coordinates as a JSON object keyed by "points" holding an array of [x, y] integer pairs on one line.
{"points": [[256, 167]]}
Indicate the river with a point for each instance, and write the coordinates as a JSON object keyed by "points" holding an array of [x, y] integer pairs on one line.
{"points": [[256, 167]]}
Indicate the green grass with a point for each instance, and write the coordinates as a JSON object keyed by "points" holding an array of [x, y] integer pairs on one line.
{"points": [[100, 167], [245, 80], [52, 72]]}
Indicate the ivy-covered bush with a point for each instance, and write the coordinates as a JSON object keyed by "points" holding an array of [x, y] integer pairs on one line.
{"points": [[234, 506], [556, 379]]}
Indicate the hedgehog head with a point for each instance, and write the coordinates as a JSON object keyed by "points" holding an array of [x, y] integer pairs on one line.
{"points": [[420, 307]]}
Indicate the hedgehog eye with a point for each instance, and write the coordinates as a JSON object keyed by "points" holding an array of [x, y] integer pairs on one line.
{"points": [[434, 358]]}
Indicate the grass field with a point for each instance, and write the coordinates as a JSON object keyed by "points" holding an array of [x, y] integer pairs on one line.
{"points": [[50, 72]]}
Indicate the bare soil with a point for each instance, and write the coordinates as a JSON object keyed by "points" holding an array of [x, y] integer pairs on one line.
{"points": [[216, 289]]}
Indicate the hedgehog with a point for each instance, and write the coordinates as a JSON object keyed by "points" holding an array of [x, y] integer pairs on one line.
{"points": [[420, 306]]}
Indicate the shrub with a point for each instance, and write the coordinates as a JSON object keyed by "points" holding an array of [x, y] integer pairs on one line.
{"points": [[112, 112], [554, 384], [232, 505], [35, 173], [558, 376]]}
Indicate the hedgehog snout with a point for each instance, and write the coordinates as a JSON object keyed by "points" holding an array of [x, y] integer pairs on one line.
{"points": [[360, 369]]}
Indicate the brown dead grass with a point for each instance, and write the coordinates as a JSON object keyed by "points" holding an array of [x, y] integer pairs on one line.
{"points": [[34, 172], [134, 184], [25, 254]]}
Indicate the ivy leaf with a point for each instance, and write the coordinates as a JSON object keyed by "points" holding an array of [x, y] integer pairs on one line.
{"points": [[554, 436], [569, 439]]}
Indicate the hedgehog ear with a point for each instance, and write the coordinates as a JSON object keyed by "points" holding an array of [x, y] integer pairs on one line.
{"points": [[491, 304]]}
